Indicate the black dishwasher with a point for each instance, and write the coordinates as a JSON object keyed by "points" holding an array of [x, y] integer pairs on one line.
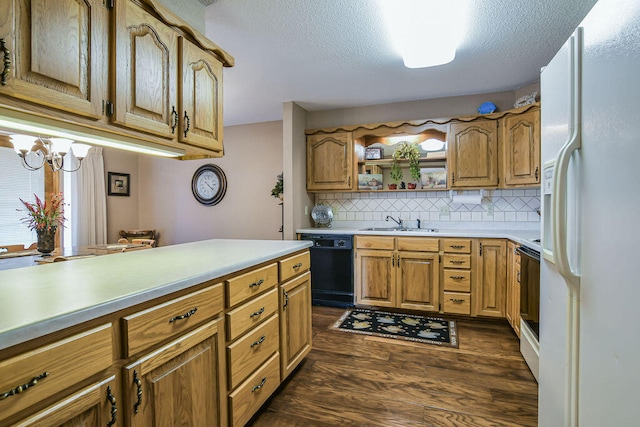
{"points": [[331, 269]]}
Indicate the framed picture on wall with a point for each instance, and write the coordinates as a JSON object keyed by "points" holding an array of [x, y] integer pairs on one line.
{"points": [[118, 184]]}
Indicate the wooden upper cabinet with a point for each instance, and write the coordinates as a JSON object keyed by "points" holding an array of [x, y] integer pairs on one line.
{"points": [[330, 162], [145, 72], [201, 97], [473, 154], [521, 148], [57, 55]]}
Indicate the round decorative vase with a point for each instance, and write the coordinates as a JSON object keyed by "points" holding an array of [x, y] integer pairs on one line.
{"points": [[392, 186], [46, 240], [411, 186]]}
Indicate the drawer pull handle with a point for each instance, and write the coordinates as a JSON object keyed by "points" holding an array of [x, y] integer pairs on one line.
{"points": [[257, 313], [19, 389], [6, 62], [174, 117], [456, 300], [114, 409], [456, 261], [457, 277], [286, 299], [258, 283], [138, 384], [457, 246], [184, 316], [259, 386], [298, 265], [187, 123], [260, 341]]}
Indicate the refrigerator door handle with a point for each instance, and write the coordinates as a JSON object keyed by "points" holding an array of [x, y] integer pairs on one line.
{"points": [[559, 195]]}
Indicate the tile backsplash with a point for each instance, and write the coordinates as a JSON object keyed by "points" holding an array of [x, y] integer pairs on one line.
{"points": [[496, 206]]}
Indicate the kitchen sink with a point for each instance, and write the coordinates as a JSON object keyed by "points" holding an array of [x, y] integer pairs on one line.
{"points": [[427, 230]]}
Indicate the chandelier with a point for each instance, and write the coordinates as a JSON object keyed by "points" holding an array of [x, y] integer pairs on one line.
{"points": [[49, 151]]}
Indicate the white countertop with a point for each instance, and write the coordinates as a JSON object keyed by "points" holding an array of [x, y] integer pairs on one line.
{"points": [[38, 300], [524, 237]]}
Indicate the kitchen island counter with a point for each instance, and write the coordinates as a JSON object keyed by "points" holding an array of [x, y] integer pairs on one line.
{"points": [[39, 300]]}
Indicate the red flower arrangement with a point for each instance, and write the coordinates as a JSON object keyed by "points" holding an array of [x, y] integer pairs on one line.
{"points": [[42, 215]]}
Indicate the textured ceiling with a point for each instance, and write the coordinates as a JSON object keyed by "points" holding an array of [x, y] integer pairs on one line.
{"points": [[327, 54]]}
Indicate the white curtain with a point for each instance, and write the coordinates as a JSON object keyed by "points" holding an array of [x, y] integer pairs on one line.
{"points": [[89, 207]]}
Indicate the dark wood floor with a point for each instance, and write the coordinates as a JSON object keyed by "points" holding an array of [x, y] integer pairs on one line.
{"points": [[367, 381]]}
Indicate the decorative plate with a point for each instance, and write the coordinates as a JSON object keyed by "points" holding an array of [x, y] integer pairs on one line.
{"points": [[322, 214]]}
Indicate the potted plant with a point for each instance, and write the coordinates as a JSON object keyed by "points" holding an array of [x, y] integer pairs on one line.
{"points": [[45, 218], [406, 151], [278, 189]]}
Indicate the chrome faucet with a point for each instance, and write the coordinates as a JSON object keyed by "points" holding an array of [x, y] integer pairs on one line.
{"points": [[399, 222]]}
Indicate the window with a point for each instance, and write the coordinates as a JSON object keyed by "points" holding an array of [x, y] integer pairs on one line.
{"points": [[17, 182]]}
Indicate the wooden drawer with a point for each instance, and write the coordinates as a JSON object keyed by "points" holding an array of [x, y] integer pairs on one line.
{"points": [[156, 324], [250, 351], [294, 265], [456, 261], [418, 244], [375, 242], [457, 280], [457, 302], [248, 285], [456, 246], [252, 393], [60, 365], [243, 318]]}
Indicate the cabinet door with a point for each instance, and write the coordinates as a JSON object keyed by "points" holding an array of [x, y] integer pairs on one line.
{"points": [[93, 406], [182, 383], [57, 55], [201, 98], [489, 291], [376, 278], [145, 72], [418, 280], [521, 148], [295, 323], [473, 154], [330, 162]]}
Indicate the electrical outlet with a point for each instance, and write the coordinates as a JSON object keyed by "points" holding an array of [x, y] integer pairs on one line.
{"points": [[306, 210], [444, 210], [490, 209]]}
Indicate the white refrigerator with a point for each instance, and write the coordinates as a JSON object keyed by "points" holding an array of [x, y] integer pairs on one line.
{"points": [[589, 355]]}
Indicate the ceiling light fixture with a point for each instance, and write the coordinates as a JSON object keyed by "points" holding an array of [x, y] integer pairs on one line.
{"points": [[425, 33], [48, 151]]}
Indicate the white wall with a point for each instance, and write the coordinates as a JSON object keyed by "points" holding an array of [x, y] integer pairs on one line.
{"points": [[192, 11], [252, 161], [413, 110], [122, 211]]}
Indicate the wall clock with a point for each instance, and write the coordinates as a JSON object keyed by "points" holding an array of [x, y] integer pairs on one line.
{"points": [[209, 184]]}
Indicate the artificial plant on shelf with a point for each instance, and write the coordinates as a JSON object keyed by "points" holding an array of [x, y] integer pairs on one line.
{"points": [[278, 189], [406, 151], [44, 217]]}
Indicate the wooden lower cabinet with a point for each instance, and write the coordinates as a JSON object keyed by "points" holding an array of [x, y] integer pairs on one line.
{"points": [[251, 394], [93, 406], [295, 323], [513, 287], [407, 279], [418, 278], [489, 288], [376, 278], [181, 383]]}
